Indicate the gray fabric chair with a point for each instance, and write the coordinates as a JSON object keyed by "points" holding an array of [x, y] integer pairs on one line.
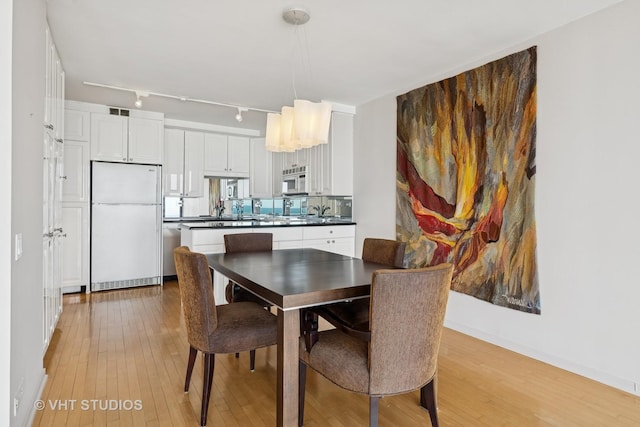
{"points": [[353, 317], [407, 309], [246, 242], [212, 329]]}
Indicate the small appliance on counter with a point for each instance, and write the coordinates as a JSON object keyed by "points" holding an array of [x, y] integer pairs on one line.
{"points": [[126, 225]]}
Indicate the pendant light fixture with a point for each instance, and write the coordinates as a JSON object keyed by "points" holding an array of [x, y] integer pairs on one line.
{"points": [[304, 125]]}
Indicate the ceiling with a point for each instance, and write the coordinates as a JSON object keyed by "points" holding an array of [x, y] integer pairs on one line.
{"points": [[241, 52]]}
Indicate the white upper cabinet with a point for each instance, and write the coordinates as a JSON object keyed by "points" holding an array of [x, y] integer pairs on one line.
{"points": [[330, 167], [295, 158], [75, 186], [215, 154], [193, 164], [126, 139], [76, 125], [183, 166], [260, 180], [226, 155], [109, 137], [341, 156], [173, 167], [238, 155], [145, 140]]}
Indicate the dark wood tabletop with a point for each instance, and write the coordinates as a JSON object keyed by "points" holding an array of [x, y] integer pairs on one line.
{"points": [[295, 278]]}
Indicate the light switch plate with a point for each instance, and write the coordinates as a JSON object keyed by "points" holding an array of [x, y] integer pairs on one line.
{"points": [[18, 250]]}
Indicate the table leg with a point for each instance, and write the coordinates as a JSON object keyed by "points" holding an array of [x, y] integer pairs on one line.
{"points": [[288, 347]]}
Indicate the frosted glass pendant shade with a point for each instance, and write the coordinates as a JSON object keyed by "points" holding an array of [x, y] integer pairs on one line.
{"points": [[311, 122], [304, 125]]}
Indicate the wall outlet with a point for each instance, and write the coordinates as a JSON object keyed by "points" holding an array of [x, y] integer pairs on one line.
{"points": [[18, 248], [18, 397]]}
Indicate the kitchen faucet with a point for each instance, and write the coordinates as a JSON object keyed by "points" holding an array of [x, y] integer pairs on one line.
{"points": [[321, 209]]}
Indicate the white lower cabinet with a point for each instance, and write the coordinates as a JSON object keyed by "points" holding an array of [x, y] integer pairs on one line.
{"points": [[75, 244], [339, 239], [211, 241]]}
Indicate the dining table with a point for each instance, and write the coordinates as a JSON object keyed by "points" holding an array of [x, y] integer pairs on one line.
{"points": [[292, 279]]}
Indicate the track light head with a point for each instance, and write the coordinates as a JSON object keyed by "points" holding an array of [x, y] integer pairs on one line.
{"points": [[239, 115], [140, 93]]}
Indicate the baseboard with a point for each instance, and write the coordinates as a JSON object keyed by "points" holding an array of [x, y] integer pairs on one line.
{"points": [[37, 396], [625, 385]]}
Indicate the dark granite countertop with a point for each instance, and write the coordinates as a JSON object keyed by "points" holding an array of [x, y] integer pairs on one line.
{"points": [[263, 222]]}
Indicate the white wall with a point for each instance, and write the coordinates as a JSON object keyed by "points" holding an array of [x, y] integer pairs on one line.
{"points": [[26, 204], [6, 28], [586, 201]]}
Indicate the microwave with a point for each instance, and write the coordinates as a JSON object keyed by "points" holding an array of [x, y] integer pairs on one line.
{"points": [[294, 181]]}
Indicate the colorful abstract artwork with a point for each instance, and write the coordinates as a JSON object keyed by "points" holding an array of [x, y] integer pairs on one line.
{"points": [[465, 179]]}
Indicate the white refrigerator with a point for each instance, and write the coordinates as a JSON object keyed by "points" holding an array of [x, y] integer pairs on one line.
{"points": [[126, 220]]}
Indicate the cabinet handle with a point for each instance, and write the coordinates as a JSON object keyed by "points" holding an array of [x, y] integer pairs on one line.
{"points": [[59, 140], [328, 241], [333, 241], [330, 231], [131, 159], [124, 159], [49, 126], [63, 177]]}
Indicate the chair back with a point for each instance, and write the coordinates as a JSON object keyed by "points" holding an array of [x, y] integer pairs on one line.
{"points": [[196, 293], [383, 251], [406, 318], [248, 242]]}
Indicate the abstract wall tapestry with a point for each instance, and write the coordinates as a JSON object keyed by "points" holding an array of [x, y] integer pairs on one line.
{"points": [[465, 179]]}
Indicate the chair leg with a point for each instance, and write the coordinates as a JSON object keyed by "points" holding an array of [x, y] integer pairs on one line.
{"points": [[207, 376], [252, 360], [302, 382], [310, 331], [428, 401], [373, 411], [192, 360]]}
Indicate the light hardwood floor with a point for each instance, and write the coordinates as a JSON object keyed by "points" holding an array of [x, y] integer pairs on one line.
{"points": [[122, 350]]}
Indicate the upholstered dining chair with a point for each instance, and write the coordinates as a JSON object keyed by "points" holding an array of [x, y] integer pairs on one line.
{"points": [[212, 329], [353, 317], [407, 310], [246, 242]]}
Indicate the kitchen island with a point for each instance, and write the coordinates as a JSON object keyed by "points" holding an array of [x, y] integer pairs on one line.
{"points": [[326, 233]]}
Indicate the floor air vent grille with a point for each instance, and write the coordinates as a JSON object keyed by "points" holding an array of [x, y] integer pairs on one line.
{"points": [[121, 284]]}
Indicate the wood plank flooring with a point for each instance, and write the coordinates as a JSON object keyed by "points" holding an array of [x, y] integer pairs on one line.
{"points": [[119, 359]]}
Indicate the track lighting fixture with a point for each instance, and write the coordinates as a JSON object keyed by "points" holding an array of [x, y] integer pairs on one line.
{"points": [[145, 93], [240, 111], [140, 93]]}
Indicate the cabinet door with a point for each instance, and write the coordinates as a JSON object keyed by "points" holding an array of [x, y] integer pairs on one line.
{"points": [[326, 177], [145, 140], [75, 187], [277, 173], [260, 184], [173, 168], [289, 160], [193, 164], [238, 156], [75, 246], [314, 170], [215, 155], [109, 137], [76, 125], [341, 136], [342, 246]]}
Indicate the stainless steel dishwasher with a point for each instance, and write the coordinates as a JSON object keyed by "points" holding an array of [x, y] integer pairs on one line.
{"points": [[170, 241]]}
